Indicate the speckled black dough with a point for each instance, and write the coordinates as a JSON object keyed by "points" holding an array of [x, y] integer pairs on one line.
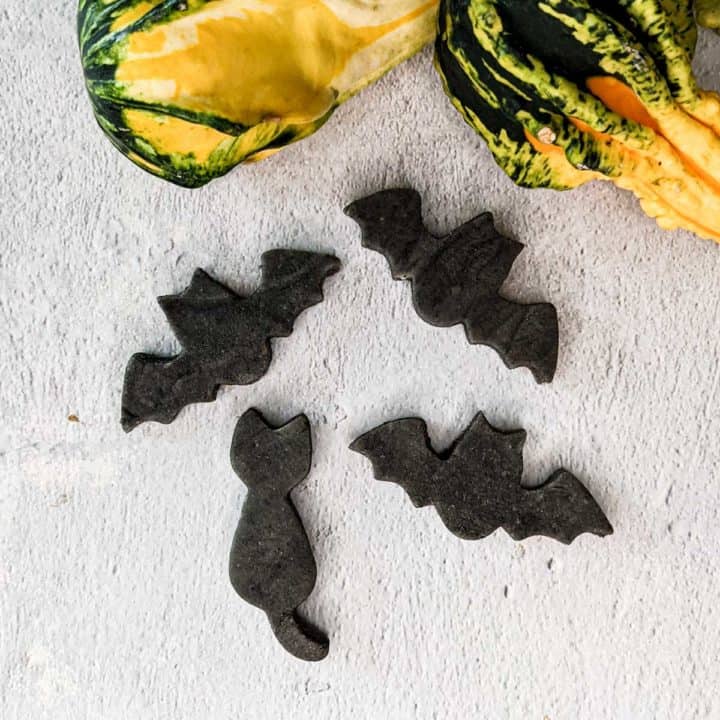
{"points": [[475, 484], [271, 561], [457, 279], [225, 336]]}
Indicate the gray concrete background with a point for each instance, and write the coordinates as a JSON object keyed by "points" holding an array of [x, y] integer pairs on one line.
{"points": [[114, 597]]}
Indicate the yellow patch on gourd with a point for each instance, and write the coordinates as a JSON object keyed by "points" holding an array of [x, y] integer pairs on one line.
{"points": [[133, 14], [262, 154], [170, 135], [571, 176], [142, 162], [248, 61]]}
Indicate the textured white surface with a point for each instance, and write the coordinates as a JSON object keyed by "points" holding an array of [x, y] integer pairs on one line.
{"points": [[114, 597]]}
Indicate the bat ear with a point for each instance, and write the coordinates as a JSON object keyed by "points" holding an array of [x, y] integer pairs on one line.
{"points": [[279, 265], [187, 311], [201, 287], [480, 424], [508, 446]]}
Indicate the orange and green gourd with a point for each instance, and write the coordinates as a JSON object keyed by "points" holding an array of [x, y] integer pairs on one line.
{"points": [[567, 91], [187, 89]]}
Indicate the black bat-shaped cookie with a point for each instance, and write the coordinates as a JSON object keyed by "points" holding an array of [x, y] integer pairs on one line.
{"points": [[457, 278], [271, 561], [225, 336], [475, 484]]}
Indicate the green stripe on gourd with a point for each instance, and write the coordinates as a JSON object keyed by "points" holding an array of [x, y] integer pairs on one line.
{"points": [[552, 89], [519, 110], [484, 111], [664, 40], [681, 15]]}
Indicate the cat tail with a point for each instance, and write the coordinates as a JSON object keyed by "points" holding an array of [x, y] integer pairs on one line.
{"points": [[299, 637]]}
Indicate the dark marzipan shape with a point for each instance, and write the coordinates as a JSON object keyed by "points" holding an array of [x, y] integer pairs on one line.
{"points": [[225, 337], [457, 278], [271, 561], [475, 485]]}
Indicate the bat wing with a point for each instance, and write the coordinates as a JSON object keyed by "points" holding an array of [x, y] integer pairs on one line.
{"points": [[292, 281], [562, 508], [400, 453], [461, 284], [157, 388], [483, 257], [391, 224], [523, 335]]}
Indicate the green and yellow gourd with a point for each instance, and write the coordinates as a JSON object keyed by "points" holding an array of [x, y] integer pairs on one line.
{"points": [[187, 89], [567, 91]]}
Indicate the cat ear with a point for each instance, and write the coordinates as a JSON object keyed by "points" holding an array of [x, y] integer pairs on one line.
{"points": [[268, 458]]}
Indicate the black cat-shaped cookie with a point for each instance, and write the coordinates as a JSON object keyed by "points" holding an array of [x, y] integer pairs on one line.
{"points": [[271, 561]]}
